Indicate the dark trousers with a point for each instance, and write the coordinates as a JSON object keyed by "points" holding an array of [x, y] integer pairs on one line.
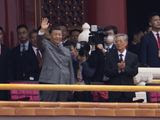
{"points": [[82, 96], [54, 96], [4, 95], [121, 98]]}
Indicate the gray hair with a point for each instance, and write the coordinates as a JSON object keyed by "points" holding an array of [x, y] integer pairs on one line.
{"points": [[125, 36]]}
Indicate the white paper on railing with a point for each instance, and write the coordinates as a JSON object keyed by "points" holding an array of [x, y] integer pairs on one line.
{"points": [[146, 75]]}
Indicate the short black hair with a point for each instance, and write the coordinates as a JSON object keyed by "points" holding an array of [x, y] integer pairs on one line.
{"points": [[111, 27], [54, 28], [85, 46], [1, 29], [83, 52], [70, 43], [32, 32], [152, 15], [75, 30], [22, 26]]}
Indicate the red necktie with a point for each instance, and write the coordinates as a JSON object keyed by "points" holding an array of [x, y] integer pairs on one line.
{"points": [[158, 38]]}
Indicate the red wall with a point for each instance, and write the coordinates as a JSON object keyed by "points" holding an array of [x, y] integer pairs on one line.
{"points": [[101, 12], [13, 13], [9, 19], [108, 12]]}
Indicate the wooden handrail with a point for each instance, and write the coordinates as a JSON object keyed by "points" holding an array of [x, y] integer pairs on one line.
{"points": [[62, 87], [156, 81]]}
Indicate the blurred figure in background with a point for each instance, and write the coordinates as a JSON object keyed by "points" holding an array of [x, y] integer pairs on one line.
{"points": [[111, 30], [150, 44], [97, 61], [33, 37], [150, 50], [25, 66], [84, 75], [97, 57], [74, 35], [65, 34], [135, 43], [4, 66], [73, 38]]}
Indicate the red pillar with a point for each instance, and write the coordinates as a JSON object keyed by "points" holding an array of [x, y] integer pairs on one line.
{"points": [[2, 13], [9, 20], [15, 12], [108, 12]]}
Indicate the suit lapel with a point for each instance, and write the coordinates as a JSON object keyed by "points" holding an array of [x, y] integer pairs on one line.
{"points": [[153, 40], [31, 51], [2, 50], [18, 50], [116, 56], [113, 47], [127, 58]]}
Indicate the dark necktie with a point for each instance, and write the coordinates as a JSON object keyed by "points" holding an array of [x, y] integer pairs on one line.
{"points": [[23, 48], [120, 60], [120, 57], [158, 38]]}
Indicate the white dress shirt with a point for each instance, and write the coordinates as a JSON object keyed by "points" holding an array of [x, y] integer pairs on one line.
{"points": [[110, 46], [155, 34], [123, 53], [26, 46]]}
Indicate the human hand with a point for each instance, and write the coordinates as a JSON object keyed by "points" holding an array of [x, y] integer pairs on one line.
{"points": [[121, 65], [100, 46]]}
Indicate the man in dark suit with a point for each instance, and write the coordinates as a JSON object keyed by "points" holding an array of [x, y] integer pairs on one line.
{"points": [[4, 66], [25, 63], [121, 66], [97, 60], [97, 57], [150, 44], [34, 40]]}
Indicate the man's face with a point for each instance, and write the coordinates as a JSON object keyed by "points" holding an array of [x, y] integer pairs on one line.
{"points": [[34, 39], [155, 22], [109, 39], [56, 36], [64, 32], [75, 35], [1, 35], [22, 34], [121, 43]]}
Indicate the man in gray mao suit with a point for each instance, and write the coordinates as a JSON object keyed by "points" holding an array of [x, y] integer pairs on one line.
{"points": [[57, 63]]}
